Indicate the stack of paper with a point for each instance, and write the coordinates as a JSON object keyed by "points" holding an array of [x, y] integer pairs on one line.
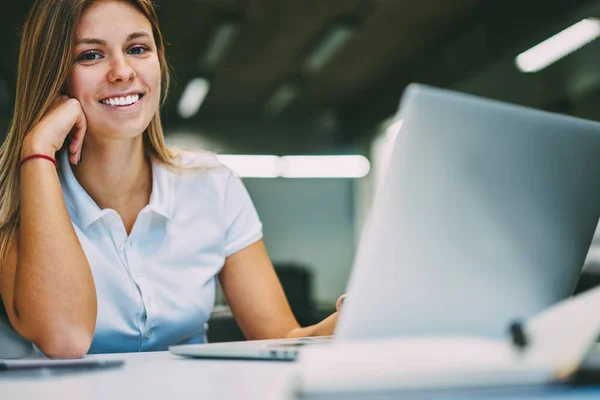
{"points": [[557, 341]]}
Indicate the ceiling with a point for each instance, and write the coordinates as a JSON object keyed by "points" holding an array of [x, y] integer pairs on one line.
{"points": [[467, 45]]}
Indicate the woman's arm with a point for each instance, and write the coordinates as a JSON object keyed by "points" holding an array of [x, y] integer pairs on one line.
{"points": [[257, 300], [45, 281]]}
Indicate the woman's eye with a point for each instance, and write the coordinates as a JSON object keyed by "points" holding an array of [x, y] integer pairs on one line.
{"points": [[138, 50], [89, 56]]}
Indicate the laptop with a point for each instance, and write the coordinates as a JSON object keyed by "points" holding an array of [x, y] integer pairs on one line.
{"points": [[485, 214]]}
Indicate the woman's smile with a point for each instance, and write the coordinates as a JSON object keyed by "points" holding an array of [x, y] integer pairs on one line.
{"points": [[124, 102]]}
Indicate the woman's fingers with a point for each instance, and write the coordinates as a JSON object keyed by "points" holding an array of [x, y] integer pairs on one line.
{"points": [[77, 132], [340, 302]]}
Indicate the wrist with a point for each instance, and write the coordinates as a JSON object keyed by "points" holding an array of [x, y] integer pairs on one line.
{"points": [[38, 156], [30, 147]]}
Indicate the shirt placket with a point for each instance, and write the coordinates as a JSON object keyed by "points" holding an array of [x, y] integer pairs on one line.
{"points": [[124, 246]]}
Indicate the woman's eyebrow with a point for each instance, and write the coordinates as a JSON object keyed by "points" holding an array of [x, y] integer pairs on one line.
{"points": [[136, 35], [100, 42]]}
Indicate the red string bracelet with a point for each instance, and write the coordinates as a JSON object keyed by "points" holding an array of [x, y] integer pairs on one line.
{"points": [[32, 156]]}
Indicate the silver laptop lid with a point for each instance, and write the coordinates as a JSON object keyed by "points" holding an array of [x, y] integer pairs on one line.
{"points": [[485, 214]]}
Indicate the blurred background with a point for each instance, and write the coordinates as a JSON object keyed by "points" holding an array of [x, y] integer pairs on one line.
{"points": [[279, 78]]}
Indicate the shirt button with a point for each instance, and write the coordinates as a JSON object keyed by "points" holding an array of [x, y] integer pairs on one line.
{"points": [[149, 333], [122, 248]]}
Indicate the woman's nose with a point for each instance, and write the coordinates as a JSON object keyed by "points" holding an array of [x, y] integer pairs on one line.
{"points": [[120, 70]]}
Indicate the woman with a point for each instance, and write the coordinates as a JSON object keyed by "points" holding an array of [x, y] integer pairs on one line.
{"points": [[118, 250]]}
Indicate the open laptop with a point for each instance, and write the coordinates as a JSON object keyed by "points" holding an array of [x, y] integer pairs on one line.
{"points": [[485, 215]]}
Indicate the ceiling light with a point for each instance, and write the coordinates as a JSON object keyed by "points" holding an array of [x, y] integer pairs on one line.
{"points": [[558, 46], [324, 166], [193, 96], [281, 98], [267, 166], [220, 42], [252, 166], [331, 43]]}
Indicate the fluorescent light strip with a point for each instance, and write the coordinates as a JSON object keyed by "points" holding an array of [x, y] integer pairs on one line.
{"points": [[336, 38], [324, 166], [558, 46], [280, 99], [252, 166], [193, 96], [220, 43], [297, 166]]}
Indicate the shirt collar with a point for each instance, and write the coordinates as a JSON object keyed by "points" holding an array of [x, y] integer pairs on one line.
{"points": [[161, 198], [86, 211]]}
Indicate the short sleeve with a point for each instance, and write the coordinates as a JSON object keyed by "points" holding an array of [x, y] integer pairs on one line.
{"points": [[242, 224]]}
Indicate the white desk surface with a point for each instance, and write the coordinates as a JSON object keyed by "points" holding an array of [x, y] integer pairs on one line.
{"points": [[151, 376], [162, 376]]}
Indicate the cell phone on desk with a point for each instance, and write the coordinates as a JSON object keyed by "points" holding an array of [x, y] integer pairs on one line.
{"points": [[42, 363]]}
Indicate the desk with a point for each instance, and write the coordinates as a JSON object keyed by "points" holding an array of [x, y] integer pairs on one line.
{"points": [[153, 376], [162, 376]]}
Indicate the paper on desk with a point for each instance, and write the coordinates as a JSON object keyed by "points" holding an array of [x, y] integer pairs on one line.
{"points": [[558, 340], [563, 334]]}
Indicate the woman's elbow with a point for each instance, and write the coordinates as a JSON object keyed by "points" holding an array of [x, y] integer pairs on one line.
{"points": [[72, 343]]}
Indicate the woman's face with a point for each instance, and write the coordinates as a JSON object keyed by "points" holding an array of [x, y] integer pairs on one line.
{"points": [[116, 71]]}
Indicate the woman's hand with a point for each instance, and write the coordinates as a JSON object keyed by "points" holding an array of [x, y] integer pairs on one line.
{"points": [[47, 137], [339, 302], [327, 326]]}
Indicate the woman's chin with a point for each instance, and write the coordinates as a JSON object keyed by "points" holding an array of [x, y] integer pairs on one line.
{"points": [[116, 133]]}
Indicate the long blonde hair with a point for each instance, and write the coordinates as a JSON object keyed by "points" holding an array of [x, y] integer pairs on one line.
{"points": [[50, 29]]}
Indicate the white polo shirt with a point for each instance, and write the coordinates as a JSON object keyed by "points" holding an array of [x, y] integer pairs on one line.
{"points": [[156, 287]]}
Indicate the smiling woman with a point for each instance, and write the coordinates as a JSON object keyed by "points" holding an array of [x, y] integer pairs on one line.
{"points": [[99, 255]]}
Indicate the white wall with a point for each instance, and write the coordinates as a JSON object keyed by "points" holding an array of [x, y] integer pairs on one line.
{"points": [[309, 221]]}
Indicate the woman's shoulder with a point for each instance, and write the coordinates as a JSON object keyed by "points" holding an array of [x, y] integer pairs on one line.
{"points": [[195, 160], [200, 165]]}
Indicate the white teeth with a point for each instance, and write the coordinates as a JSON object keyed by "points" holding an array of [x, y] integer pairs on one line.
{"points": [[122, 101]]}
